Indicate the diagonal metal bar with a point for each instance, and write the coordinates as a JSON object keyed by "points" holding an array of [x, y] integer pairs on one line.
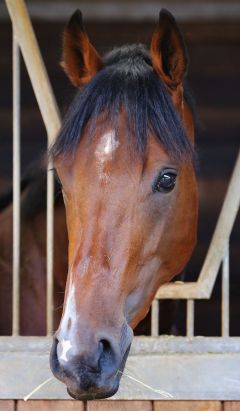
{"points": [[23, 31], [26, 38], [202, 288]]}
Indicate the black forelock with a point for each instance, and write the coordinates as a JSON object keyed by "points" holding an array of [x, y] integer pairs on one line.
{"points": [[125, 56], [127, 82]]}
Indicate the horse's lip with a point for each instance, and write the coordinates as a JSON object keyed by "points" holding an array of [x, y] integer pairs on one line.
{"points": [[93, 396], [124, 359]]}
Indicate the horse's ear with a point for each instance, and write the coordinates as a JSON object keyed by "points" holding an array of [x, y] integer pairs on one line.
{"points": [[80, 59], [168, 51]]}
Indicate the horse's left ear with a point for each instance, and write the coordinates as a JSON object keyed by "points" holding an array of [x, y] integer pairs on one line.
{"points": [[168, 51], [80, 59]]}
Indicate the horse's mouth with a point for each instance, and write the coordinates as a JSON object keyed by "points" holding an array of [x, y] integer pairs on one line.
{"points": [[93, 396], [104, 392], [95, 392]]}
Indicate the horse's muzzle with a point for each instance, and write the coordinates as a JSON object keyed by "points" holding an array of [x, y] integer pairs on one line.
{"points": [[92, 374]]}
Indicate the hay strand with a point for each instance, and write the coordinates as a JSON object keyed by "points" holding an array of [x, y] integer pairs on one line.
{"points": [[164, 394], [37, 388]]}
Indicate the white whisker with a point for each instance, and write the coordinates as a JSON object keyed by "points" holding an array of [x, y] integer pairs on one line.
{"points": [[164, 394]]}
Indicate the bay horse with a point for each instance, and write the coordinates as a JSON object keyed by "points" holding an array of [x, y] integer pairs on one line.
{"points": [[125, 159]]}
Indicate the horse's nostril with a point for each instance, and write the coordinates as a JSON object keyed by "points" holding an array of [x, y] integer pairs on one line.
{"points": [[106, 346], [54, 363], [54, 346]]}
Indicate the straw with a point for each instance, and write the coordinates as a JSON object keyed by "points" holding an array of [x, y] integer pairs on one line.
{"points": [[37, 388], [164, 394]]}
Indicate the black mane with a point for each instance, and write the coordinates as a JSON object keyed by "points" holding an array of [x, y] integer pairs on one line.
{"points": [[127, 82]]}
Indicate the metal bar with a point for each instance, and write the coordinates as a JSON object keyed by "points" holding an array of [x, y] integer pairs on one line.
{"points": [[50, 114], [155, 319], [50, 248], [35, 66], [225, 294], [16, 188], [190, 318], [203, 287]]}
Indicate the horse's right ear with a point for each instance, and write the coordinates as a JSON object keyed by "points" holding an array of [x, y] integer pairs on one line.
{"points": [[80, 59]]}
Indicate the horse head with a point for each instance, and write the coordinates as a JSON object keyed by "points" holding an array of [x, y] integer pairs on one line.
{"points": [[124, 157]]}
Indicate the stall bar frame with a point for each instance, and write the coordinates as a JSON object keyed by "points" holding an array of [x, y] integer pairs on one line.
{"points": [[187, 367]]}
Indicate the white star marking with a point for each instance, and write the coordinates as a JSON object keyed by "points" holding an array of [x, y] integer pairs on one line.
{"points": [[66, 345], [107, 145], [104, 151]]}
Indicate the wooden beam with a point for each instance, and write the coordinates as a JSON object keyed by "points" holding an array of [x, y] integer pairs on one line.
{"points": [[7, 405], [119, 406], [187, 406], [46, 405], [231, 406]]}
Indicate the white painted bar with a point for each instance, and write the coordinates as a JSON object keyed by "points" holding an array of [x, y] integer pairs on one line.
{"points": [[185, 377], [180, 366], [155, 319], [202, 288], [190, 318], [142, 345], [16, 188], [35, 66], [225, 294], [50, 249]]}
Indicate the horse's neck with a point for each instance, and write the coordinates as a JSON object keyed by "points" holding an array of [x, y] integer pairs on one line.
{"points": [[32, 269]]}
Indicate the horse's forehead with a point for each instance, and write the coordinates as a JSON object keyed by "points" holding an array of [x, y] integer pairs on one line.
{"points": [[112, 152], [106, 146], [119, 148]]}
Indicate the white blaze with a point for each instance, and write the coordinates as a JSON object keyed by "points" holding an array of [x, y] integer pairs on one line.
{"points": [[70, 313], [104, 151], [66, 345], [70, 307]]}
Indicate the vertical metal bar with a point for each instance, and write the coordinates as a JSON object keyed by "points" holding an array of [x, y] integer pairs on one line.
{"points": [[225, 294], [50, 114], [155, 318], [190, 318], [16, 187], [50, 245]]}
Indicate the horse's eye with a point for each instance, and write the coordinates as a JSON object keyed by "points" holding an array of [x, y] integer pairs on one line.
{"points": [[165, 182]]}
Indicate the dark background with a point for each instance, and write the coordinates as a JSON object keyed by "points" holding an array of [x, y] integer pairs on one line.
{"points": [[214, 78]]}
